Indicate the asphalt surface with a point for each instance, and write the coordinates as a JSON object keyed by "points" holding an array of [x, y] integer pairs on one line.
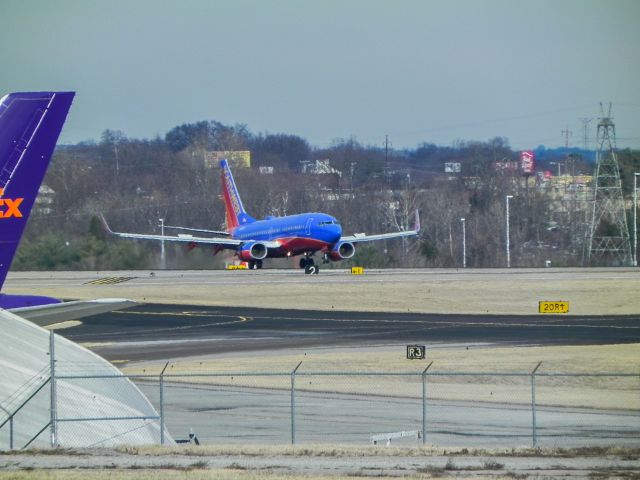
{"points": [[242, 415], [157, 331]]}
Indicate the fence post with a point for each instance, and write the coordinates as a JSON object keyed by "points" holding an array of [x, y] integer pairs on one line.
{"points": [[162, 403], [52, 369], [533, 405], [11, 432], [424, 404], [293, 404]]}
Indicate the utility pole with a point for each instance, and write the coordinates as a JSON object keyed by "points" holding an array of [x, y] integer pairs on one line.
{"points": [[386, 157], [609, 234], [585, 132], [115, 151], [163, 260], [351, 171], [464, 243], [635, 219], [508, 197]]}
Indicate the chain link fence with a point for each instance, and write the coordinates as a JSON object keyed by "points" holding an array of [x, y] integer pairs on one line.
{"points": [[453, 408], [479, 409]]}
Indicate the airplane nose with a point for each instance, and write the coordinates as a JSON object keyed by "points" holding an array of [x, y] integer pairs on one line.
{"points": [[337, 232]]}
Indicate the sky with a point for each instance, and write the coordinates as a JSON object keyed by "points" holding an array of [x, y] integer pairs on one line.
{"points": [[415, 70]]}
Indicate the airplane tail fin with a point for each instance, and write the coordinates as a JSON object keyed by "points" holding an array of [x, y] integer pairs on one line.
{"points": [[30, 124], [235, 212]]}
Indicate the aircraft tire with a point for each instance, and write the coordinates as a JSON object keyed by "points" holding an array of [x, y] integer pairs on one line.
{"points": [[303, 263], [259, 264]]}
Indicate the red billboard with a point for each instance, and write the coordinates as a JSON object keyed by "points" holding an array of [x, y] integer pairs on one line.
{"points": [[527, 162]]}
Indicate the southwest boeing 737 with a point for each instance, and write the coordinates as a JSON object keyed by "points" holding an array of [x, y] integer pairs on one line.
{"points": [[30, 124], [275, 237]]}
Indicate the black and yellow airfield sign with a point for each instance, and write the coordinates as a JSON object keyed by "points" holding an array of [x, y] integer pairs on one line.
{"points": [[560, 306], [416, 352]]}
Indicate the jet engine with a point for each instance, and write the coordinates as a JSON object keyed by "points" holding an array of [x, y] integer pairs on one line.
{"points": [[342, 251], [253, 251]]}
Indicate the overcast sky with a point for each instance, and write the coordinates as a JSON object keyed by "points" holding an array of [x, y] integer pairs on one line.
{"points": [[419, 71]]}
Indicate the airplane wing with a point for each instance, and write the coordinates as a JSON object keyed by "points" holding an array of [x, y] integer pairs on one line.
{"points": [[363, 237], [43, 315], [202, 230], [181, 238]]}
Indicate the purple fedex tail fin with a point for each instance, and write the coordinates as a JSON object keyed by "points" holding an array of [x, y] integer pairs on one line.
{"points": [[30, 124]]}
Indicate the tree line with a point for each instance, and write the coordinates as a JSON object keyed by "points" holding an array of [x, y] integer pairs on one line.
{"points": [[136, 182]]}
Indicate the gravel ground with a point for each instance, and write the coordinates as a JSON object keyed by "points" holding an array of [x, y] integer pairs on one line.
{"points": [[370, 463]]}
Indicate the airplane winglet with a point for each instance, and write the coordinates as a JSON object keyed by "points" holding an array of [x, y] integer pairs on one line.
{"points": [[105, 225], [416, 225]]}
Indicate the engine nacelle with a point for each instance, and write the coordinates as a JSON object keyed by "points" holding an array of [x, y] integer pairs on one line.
{"points": [[342, 251], [253, 251]]}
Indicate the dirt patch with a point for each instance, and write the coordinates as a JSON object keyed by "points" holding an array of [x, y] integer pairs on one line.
{"points": [[316, 462]]}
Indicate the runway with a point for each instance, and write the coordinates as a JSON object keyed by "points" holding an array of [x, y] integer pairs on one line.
{"points": [[158, 331]]}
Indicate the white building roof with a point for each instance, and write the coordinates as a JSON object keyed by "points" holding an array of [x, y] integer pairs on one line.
{"points": [[25, 368]]}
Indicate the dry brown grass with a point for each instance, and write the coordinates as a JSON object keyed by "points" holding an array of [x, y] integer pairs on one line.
{"points": [[336, 450], [514, 291], [168, 474], [595, 392]]}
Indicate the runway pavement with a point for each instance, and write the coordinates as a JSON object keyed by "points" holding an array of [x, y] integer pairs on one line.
{"points": [[157, 331], [227, 414]]}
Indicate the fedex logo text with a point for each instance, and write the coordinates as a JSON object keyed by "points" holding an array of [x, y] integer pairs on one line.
{"points": [[12, 206]]}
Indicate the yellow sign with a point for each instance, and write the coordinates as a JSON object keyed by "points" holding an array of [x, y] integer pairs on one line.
{"points": [[357, 270], [236, 158], [553, 307], [242, 266]]}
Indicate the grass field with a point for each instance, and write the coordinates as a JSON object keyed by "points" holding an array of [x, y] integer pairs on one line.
{"points": [[493, 291], [595, 392]]}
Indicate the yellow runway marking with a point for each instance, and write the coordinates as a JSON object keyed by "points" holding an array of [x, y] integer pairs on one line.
{"points": [[240, 318], [61, 325], [109, 280]]}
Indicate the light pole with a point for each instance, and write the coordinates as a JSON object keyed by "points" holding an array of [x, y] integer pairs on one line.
{"points": [[508, 197], [163, 262], [635, 219], [464, 244]]}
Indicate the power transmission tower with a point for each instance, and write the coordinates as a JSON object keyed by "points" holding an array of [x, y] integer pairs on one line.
{"points": [[566, 133], [585, 132], [609, 234]]}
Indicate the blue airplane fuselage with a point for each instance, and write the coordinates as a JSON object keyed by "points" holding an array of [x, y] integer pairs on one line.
{"points": [[296, 233]]}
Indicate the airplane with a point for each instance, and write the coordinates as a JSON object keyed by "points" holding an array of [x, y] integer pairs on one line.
{"points": [[273, 237], [30, 123]]}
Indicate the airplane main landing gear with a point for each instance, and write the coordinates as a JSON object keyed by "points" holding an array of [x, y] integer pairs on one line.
{"points": [[309, 265], [312, 269], [254, 264]]}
